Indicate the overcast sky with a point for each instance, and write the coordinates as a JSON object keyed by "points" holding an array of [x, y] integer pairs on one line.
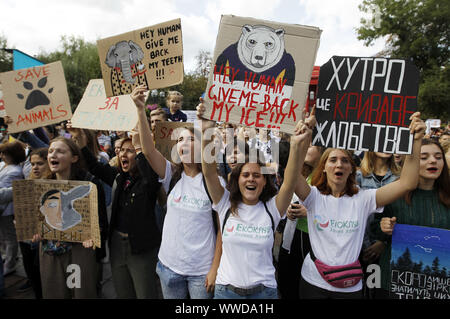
{"points": [[35, 26]]}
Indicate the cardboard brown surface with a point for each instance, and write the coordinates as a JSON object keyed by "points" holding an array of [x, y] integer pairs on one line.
{"points": [[152, 56], [261, 73], [97, 112], [165, 140], [35, 97], [2, 103], [30, 220]]}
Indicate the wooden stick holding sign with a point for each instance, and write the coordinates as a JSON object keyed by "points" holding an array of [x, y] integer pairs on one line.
{"points": [[56, 210], [365, 104]]}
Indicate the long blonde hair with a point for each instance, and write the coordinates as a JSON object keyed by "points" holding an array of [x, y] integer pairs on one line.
{"points": [[367, 164]]}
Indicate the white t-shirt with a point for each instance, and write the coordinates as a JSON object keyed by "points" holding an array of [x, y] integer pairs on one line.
{"points": [[336, 230], [247, 244], [188, 238]]}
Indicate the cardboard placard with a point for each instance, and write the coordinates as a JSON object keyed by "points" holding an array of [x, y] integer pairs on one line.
{"points": [[97, 112], [165, 140], [420, 263], [57, 210], [261, 73], [35, 97], [365, 104], [152, 56]]}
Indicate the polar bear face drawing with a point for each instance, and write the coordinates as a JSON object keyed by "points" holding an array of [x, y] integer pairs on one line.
{"points": [[260, 47]]}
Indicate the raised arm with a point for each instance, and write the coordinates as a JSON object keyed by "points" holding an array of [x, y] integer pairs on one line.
{"points": [[299, 146], [409, 177], [302, 188], [209, 166], [154, 157]]}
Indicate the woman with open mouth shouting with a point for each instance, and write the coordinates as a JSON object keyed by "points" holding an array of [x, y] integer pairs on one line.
{"points": [[189, 254], [250, 209], [337, 216], [134, 238], [66, 163], [427, 205]]}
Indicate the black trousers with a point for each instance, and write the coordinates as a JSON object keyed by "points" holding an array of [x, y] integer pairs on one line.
{"points": [[309, 291], [31, 266], [290, 265]]}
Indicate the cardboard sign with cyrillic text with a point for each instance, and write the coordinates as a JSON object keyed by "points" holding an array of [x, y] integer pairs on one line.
{"points": [[365, 104], [35, 97], [97, 112], [261, 73]]}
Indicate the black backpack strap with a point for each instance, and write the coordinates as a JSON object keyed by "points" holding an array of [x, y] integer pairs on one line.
{"points": [[213, 212], [227, 214], [271, 218]]}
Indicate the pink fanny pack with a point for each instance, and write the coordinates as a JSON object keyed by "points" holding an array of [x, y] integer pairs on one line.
{"points": [[339, 276]]}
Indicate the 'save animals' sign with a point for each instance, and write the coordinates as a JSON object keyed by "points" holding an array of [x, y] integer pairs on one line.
{"points": [[35, 97], [365, 104]]}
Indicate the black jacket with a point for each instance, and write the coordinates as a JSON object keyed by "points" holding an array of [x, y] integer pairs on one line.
{"points": [[140, 200], [102, 214]]}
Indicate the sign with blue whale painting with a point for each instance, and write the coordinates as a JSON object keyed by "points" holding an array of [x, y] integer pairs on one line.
{"points": [[420, 263], [260, 73]]}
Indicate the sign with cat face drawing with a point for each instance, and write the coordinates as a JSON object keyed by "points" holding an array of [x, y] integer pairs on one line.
{"points": [[35, 97], [152, 56], [261, 72]]}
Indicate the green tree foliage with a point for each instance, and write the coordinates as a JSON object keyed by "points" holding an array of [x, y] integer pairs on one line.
{"points": [[6, 63], [80, 62], [417, 30], [194, 83]]}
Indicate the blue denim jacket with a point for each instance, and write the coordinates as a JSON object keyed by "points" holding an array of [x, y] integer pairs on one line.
{"points": [[371, 182]]}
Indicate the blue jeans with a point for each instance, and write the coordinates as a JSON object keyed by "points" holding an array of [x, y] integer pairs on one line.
{"points": [[176, 286], [222, 292]]}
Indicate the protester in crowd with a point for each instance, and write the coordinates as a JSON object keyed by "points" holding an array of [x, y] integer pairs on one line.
{"points": [[377, 169], [156, 116], [337, 214], [295, 245], [29, 250], [66, 163], [174, 102], [115, 160], [250, 201], [12, 154], [427, 205], [446, 148], [134, 238], [104, 142], [190, 252]]}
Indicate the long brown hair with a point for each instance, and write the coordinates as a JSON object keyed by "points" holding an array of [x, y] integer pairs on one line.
{"points": [[267, 193], [76, 168], [319, 178], [442, 183], [179, 168]]}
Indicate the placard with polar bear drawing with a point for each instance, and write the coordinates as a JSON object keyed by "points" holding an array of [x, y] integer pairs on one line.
{"points": [[261, 72]]}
